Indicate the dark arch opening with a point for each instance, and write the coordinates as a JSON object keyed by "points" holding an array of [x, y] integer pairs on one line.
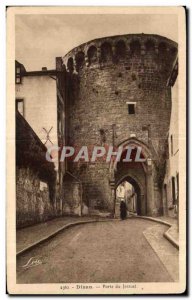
{"points": [[80, 59], [135, 48], [70, 65], [92, 54], [150, 46], [120, 49], [106, 52], [133, 172], [131, 195]]}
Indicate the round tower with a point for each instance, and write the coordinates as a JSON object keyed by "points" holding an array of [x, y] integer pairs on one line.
{"points": [[118, 94]]}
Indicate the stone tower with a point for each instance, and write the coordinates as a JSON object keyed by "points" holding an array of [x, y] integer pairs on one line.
{"points": [[118, 95]]}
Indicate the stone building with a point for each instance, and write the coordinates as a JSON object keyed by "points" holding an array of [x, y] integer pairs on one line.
{"points": [[116, 93]]}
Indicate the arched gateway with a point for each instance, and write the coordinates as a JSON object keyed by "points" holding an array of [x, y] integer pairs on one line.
{"points": [[139, 174]]}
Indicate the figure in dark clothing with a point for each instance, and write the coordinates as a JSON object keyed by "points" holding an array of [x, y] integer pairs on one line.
{"points": [[123, 210]]}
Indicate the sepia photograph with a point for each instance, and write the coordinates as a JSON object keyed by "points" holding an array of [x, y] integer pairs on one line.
{"points": [[96, 139]]}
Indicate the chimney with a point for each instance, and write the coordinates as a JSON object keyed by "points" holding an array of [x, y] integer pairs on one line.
{"points": [[59, 64]]}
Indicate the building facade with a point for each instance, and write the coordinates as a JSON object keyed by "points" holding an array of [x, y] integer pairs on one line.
{"points": [[36, 100], [171, 181]]}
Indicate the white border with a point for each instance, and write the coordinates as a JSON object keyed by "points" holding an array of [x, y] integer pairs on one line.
{"points": [[3, 93]]}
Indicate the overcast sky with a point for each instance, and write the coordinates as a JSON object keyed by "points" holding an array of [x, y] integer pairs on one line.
{"points": [[41, 38]]}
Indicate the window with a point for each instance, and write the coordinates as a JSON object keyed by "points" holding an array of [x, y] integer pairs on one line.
{"points": [[131, 107], [18, 75], [60, 127], [20, 106], [173, 190], [18, 70], [18, 79], [171, 145], [165, 197], [177, 178]]}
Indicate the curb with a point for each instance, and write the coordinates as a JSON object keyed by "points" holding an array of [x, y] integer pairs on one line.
{"points": [[45, 239], [171, 239], [166, 233]]}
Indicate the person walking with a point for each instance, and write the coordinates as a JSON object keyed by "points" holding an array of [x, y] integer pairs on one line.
{"points": [[123, 210]]}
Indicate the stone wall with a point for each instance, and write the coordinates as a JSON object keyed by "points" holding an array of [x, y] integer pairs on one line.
{"points": [[33, 203]]}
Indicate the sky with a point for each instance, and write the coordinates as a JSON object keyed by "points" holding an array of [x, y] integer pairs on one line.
{"points": [[41, 38]]}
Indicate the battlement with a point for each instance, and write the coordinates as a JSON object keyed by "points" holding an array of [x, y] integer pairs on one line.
{"points": [[120, 49]]}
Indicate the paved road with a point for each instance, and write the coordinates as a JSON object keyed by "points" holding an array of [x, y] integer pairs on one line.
{"points": [[114, 251]]}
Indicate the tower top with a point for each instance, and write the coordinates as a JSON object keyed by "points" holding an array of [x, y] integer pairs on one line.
{"points": [[113, 49]]}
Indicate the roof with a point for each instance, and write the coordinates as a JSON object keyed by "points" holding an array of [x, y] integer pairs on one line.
{"points": [[43, 72], [18, 64], [31, 152]]}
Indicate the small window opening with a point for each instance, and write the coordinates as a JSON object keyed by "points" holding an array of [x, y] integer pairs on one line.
{"points": [[131, 109], [18, 75], [171, 145], [20, 106]]}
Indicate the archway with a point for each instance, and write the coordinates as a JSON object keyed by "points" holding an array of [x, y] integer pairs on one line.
{"points": [[137, 173], [129, 190]]}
